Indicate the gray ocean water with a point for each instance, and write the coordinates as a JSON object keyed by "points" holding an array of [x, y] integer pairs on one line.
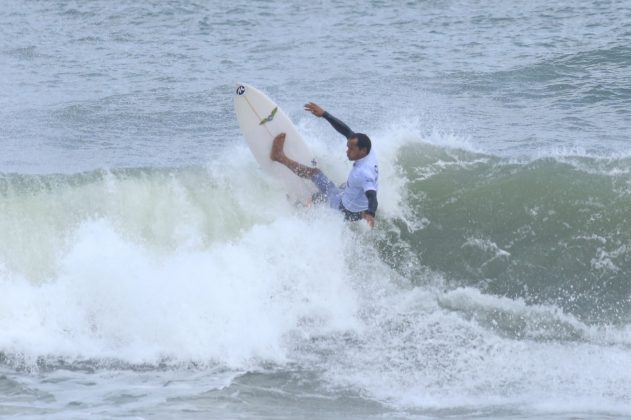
{"points": [[149, 269]]}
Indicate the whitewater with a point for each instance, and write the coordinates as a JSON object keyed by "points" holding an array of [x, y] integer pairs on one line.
{"points": [[150, 269]]}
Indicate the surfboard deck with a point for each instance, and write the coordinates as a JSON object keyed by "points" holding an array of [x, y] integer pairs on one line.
{"points": [[261, 119]]}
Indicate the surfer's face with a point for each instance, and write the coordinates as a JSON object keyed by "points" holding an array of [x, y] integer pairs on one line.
{"points": [[353, 151]]}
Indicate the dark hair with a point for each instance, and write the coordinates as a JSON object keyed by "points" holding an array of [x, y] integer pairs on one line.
{"points": [[363, 141]]}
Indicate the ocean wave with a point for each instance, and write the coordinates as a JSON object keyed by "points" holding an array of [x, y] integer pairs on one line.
{"points": [[488, 282], [525, 229], [552, 230]]}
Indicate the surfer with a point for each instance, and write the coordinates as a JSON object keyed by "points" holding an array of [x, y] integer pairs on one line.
{"points": [[357, 199]]}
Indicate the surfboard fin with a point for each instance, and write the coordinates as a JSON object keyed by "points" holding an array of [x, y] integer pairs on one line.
{"points": [[270, 117]]}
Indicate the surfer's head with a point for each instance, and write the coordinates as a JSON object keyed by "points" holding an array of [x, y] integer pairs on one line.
{"points": [[358, 146]]}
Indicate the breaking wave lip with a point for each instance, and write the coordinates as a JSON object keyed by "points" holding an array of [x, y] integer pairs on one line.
{"points": [[514, 318]]}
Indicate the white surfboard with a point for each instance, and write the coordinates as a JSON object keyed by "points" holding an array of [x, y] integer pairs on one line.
{"points": [[261, 120]]}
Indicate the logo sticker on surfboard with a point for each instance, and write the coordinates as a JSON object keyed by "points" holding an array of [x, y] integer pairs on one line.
{"points": [[270, 117], [240, 90]]}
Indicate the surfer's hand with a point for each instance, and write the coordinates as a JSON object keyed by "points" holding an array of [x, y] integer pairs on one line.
{"points": [[369, 218], [314, 109]]}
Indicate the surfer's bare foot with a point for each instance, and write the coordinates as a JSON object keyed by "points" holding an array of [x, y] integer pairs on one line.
{"points": [[277, 148]]}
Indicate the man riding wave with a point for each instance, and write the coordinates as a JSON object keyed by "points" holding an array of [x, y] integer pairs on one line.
{"points": [[358, 198]]}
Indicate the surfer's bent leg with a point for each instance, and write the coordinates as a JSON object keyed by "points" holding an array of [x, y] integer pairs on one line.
{"points": [[278, 155], [329, 192]]}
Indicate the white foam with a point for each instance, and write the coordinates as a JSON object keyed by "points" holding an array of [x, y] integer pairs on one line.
{"points": [[230, 303], [435, 350]]}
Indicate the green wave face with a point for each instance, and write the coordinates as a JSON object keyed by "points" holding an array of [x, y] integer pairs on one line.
{"points": [[548, 231]]}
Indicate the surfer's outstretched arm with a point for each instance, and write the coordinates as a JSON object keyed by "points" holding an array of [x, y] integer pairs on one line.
{"points": [[278, 155], [339, 126]]}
